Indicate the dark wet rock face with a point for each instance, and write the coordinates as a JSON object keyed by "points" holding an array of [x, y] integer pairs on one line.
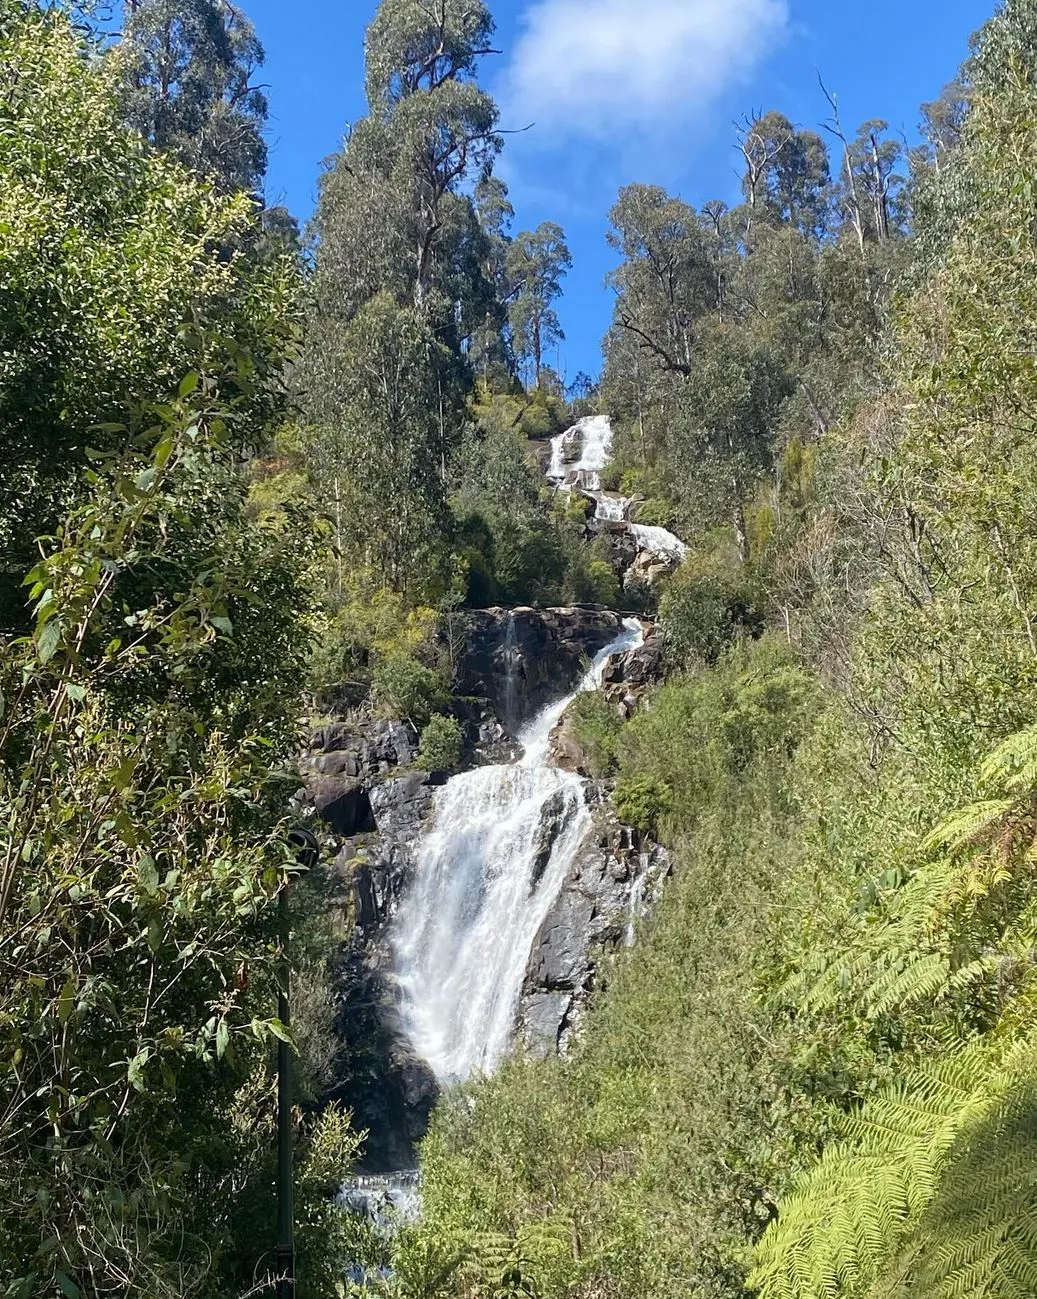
{"points": [[628, 676], [522, 659], [390, 1090], [615, 876]]}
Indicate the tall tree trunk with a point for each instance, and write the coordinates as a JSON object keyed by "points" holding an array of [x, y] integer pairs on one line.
{"points": [[741, 529]]}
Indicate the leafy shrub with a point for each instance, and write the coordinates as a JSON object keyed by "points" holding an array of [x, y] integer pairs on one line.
{"points": [[643, 802], [704, 730], [442, 744], [373, 623], [704, 613], [643, 481], [403, 687], [596, 583], [656, 513], [536, 422], [596, 727]]}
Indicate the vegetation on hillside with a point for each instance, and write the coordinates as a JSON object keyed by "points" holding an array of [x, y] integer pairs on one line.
{"points": [[246, 473], [813, 1076]]}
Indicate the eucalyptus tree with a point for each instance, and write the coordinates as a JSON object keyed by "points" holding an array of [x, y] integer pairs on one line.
{"points": [[786, 172], [403, 268], [421, 65], [666, 281], [189, 69], [537, 262], [490, 347]]}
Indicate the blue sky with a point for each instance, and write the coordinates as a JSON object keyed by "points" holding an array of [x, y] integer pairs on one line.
{"points": [[620, 91]]}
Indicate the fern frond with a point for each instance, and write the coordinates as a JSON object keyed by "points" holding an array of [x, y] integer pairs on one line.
{"points": [[978, 1237], [1013, 764], [968, 826], [856, 1206]]}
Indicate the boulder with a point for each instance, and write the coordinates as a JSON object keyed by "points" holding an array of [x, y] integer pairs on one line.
{"points": [[545, 1022], [566, 752], [342, 803], [400, 805], [628, 676], [649, 567], [361, 748]]}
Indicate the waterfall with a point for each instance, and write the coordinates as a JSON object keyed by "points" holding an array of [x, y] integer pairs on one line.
{"points": [[612, 509], [489, 868], [658, 540], [595, 434], [556, 469]]}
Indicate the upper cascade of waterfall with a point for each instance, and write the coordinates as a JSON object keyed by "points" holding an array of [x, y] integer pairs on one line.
{"points": [[613, 509], [595, 437], [501, 842]]}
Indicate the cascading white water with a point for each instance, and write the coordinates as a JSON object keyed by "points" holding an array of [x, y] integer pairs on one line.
{"points": [[612, 509], [658, 540], [595, 433], [482, 890]]}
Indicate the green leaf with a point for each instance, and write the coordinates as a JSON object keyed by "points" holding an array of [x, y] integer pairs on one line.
{"points": [[67, 999], [48, 640], [147, 872], [67, 1286], [280, 1031], [136, 1068], [188, 384], [154, 934], [222, 1038]]}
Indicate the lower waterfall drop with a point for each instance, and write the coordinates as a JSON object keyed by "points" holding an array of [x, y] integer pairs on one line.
{"points": [[501, 843]]}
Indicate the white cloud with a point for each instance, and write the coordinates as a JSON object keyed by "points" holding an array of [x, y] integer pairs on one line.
{"points": [[592, 68]]}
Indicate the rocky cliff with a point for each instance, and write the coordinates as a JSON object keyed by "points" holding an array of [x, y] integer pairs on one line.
{"points": [[361, 785]]}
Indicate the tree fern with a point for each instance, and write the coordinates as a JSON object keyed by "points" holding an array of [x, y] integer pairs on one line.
{"points": [[933, 1192], [966, 908]]}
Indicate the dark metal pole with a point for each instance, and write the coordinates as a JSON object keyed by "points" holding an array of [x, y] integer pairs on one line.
{"points": [[307, 852], [284, 1252]]}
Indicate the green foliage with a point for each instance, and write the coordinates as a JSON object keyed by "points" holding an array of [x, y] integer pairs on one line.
{"points": [[188, 72], [520, 543], [371, 624], [705, 609], [146, 722], [946, 948], [378, 415], [596, 726], [120, 274], [703, 729], [656, 513], [442, 744], [403, 687], [643, 802], [537, 261]]}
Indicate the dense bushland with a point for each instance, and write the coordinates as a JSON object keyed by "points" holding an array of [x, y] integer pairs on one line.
{"points": [[813, 1075], [245, 474], [155, 648]]}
